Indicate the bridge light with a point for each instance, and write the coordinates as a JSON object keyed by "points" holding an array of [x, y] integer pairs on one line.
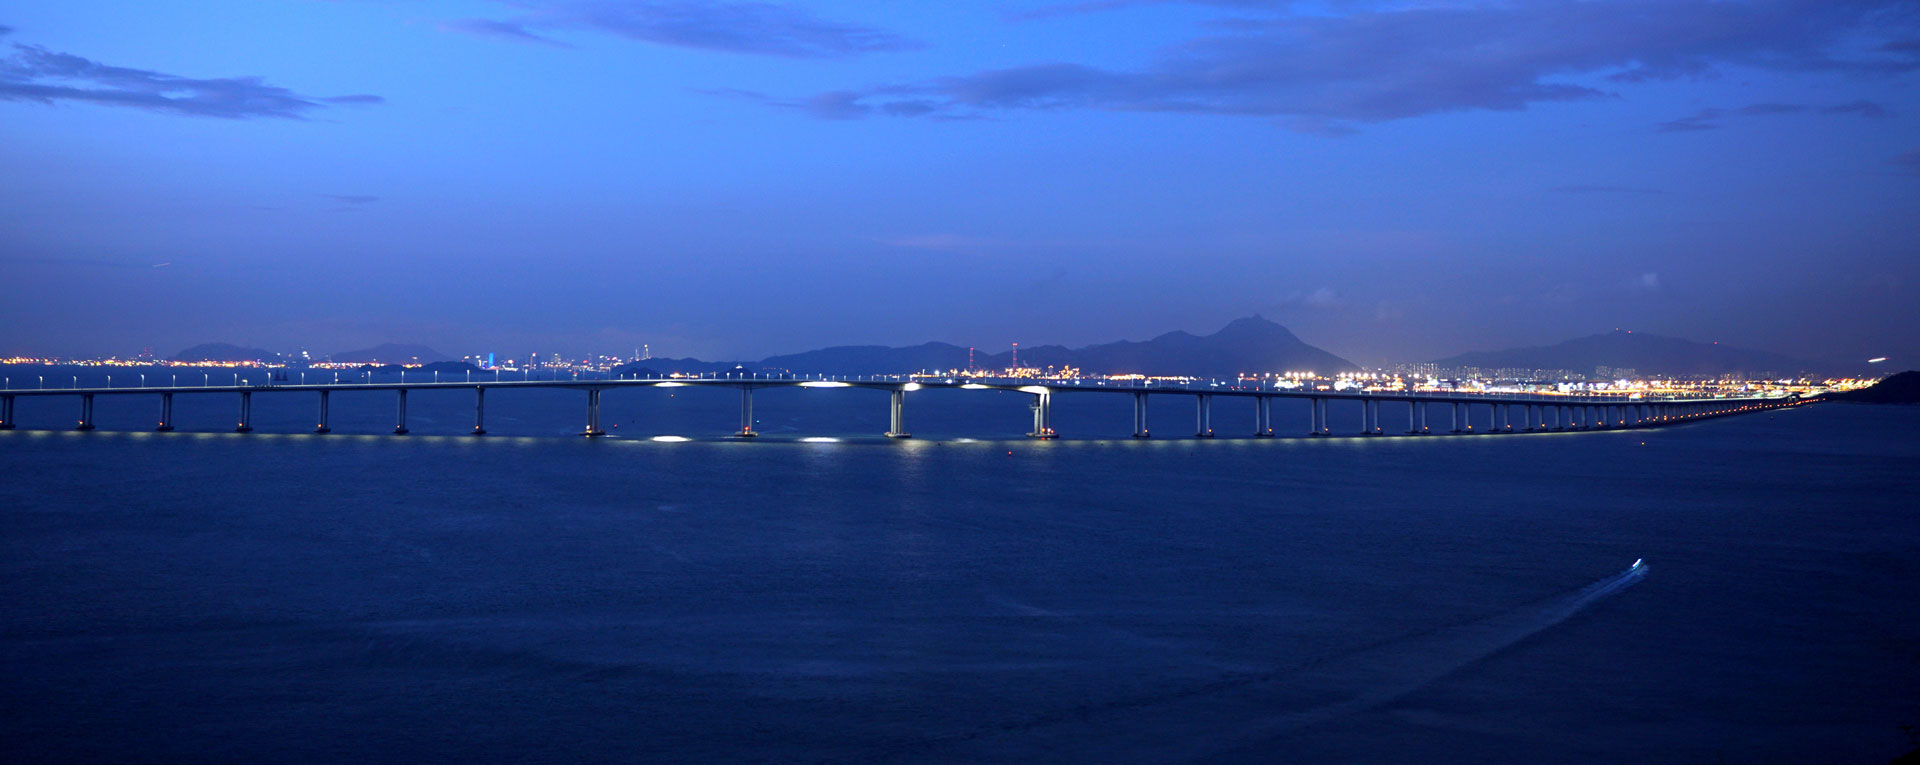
{"points": [[910, 387], [669, 385], [824, 384]]}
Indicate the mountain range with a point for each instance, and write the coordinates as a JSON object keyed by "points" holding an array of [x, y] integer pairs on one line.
{"points": [[1249, 345], [1252, 344], [1639, 351]]}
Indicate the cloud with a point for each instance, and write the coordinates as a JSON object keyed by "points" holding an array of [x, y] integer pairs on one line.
{"points": [[734, 27], [1909, 161], [499, 30], [1867, 109], [1648, 282], [352, 199], [1709, 119], [1376, 63], [1591, 189], [33, 73]]}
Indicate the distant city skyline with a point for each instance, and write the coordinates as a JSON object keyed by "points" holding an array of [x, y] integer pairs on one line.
{"points": [[1393, 181]]}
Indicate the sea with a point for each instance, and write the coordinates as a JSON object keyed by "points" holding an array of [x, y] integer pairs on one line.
{"points": [[1740, 589]]}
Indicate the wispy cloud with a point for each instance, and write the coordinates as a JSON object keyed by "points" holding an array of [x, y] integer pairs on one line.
{"points": [[500, 30], [352, 199], [1593, 189], [1711, 119], [735, 27], [1376, 62], [1908, 162], [33, 73]]}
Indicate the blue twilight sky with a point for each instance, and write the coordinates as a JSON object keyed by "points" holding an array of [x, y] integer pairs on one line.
{"points": [[1392, 179]]}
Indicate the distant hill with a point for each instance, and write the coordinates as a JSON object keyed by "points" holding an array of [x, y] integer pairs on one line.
{"points": [[1246, 345], [1252, 344], [225, 352], [1639, 351], [1903, 388], [871, 359], [657, 367], [391, 353]]}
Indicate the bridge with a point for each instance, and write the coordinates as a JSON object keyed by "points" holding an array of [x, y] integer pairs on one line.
{"points": [[1464, 413]]}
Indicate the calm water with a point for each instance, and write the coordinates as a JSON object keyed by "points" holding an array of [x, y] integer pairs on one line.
{"points": [[212, 596]]}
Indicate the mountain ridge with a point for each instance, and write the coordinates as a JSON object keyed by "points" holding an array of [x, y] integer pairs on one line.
{"points": [[1639, 351]]}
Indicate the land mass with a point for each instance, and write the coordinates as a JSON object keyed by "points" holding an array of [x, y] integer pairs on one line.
{"points": [[391, 353], [1645, 354], [1902, 388], [225, 352], [1249, 345]]}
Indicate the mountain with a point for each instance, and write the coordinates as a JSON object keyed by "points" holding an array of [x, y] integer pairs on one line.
{"points": [[225, 352], [391, 353], [1251, 345], [1903, 388], [1639, 351], [656, 367], [1246, 345], [871, 359]]}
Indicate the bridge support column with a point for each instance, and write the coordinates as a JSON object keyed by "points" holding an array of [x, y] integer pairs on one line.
{"points": [[1413, 418], [897, 414], [400, 414], [1140, 415], [1456, 417], [479, 411], [323, 427], [746, 412], [166, 413], [86, 413], [6, 413], [1042, 416], [1313, 417], [246, 413], [1263, 416], [1203, 416]]}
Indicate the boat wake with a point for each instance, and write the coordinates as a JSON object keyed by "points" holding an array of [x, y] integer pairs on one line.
{"points": [[1382, 674]]}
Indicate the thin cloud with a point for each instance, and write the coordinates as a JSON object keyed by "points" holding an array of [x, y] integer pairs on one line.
{"points": [[1710, 119], [33, 73], [734, 27], [1908, 162], [352, 199], [1593, 189], [499, 30], [1377, 63], [1866, 109]]}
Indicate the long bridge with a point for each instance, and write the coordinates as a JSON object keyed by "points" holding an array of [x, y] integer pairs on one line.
{"points": [[1538, 412]]}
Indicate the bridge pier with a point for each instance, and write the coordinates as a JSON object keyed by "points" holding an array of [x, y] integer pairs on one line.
{"points": [[6, 413], [166, 413], [479, 411], [86, 413], [592, 429], [1263, 417], [1413, 418], [1456, 418], [400, 415], [246, 413], [897, 414], [1140, 415], [1203, 416], [1313, 416], [746, 412], [323, 427], [1042, 414]]}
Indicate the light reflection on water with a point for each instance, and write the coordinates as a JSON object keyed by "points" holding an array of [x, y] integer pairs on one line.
{"points": [[958, 598]]}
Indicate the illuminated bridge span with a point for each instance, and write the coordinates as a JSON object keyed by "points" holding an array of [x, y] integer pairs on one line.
{"points": [[1459, 413]]}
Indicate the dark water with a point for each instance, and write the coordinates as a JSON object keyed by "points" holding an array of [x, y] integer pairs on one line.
{"points": [[215, 596]]}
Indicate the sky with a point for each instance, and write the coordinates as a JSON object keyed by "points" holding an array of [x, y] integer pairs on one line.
{"points": [[1394, 180]]}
